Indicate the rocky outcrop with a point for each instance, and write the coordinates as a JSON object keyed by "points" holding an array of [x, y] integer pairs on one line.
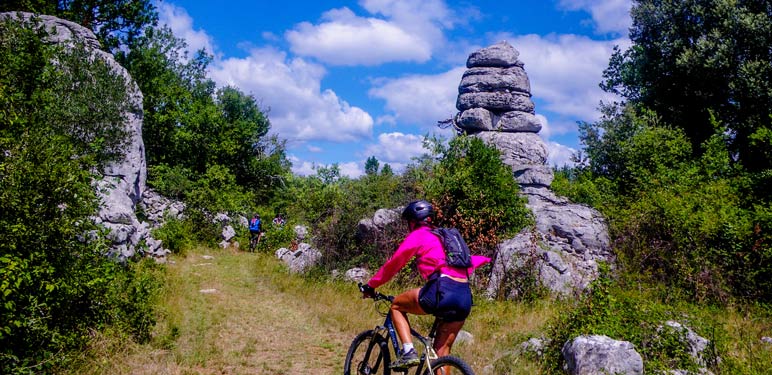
{"points": [[568, 239], [123, 183], [589, 355]]}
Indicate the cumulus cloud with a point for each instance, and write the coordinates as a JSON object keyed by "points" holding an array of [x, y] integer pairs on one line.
{"points": [[181, 24], [397, 148], [420, 99], [565, 71], [341, 39], [290, 88], [396, 30], [609, 16], [559, 155]]}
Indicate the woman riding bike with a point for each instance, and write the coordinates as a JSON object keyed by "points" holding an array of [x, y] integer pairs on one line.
{"points": [[446, 294]]}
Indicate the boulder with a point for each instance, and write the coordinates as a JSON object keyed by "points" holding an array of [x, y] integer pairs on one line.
{"points": [[480, 119], [693, 343], [157, 208], [590, 355], [357, 275], [301, 259], [517, 149], [495, 79], [496, 101], [501, 55]]}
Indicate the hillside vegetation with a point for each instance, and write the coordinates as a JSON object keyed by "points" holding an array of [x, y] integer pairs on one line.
{"points": [[682, 169]]}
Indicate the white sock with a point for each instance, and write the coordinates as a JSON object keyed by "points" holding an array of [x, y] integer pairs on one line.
{"points": [[406, 347]]}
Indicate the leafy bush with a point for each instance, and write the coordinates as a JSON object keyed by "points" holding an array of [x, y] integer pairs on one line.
{"points": [[473, 190], [176, 235], [56, 284]]}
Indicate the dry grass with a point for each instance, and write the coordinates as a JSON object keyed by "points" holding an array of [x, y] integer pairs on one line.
{"points": [[262, 320]]}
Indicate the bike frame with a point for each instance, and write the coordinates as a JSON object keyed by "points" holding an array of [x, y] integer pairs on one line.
{"points": [[387, 329]]}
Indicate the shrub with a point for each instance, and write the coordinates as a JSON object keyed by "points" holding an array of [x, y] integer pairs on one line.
{"points": [[473, 190]]}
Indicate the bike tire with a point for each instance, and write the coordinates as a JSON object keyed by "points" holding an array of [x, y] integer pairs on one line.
{"points": [[449, 365], [367, 355]]}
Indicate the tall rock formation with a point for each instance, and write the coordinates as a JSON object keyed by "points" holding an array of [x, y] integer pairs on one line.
{"points": [[568, 239], [122, 186]]}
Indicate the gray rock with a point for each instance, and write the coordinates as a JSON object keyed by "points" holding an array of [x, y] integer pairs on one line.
{"points": [[480, 119], [766, 340], [369, 227], [501, 54], [228, 233], [534, 345], [301, 232], [357, 275], [495, 79], [533, 175], [158, 208], [301, 259], [496, 101], [464, 337], [694, 343], [517, 149], [121, 187], [564, 247], [590, 355], [515, 121]]}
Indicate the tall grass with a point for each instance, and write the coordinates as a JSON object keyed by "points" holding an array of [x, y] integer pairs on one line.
{"points": [[263, 320]]}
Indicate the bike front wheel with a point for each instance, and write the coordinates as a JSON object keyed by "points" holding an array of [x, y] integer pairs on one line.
{"points": [[367, 355], [449, 365]]}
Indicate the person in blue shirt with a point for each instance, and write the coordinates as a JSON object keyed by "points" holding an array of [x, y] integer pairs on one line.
{"points": [[255, 231]]}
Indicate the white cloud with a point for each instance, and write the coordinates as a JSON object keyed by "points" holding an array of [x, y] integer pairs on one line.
{"points": [[565, 71], [181, 23], [558, 154], [396, 148], [351, 169], [300, 167], [307, 168], [343, 39], [607, 15], [397, 30], [421, 99], [298, 109], [314, 148]]}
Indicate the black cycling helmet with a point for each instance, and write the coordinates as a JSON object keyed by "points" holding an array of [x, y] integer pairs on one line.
{"points": [[418, 211]]}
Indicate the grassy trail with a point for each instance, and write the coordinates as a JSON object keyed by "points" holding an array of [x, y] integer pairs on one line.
{"points": [[225, 312]]}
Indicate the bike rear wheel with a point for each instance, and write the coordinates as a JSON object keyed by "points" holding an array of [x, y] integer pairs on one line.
{"points": [[367, 355], [449, 365]]}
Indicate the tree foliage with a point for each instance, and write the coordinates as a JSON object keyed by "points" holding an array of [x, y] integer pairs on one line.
{"points": [[55, 285], [697, 59], [117, 23]]}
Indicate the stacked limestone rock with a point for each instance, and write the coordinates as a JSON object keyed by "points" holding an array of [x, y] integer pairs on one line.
{"points": [[568, 239], [495, 103]]}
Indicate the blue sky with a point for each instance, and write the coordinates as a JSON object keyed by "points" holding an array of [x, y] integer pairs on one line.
{"points": [[346, 80]]}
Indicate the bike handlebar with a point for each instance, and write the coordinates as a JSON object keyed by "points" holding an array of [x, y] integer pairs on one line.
{"points": [[377, 296]]}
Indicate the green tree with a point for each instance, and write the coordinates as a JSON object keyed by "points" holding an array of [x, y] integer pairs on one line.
{"points": [[691, 60], [55, 286], [371, 166], [386, 170], [117, 23]]}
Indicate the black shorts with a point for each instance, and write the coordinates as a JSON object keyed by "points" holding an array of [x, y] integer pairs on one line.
{"points": [[446, 298]]}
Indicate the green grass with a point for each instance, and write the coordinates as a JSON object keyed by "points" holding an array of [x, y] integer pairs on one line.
{"points": [[263, 320]]}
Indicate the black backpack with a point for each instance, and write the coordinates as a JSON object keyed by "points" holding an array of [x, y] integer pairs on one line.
{"points": [[457, 253]]}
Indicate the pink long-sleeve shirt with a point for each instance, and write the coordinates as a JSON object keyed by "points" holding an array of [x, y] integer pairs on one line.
{"points": [[425, 245]]}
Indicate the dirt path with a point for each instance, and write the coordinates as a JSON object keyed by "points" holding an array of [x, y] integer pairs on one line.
{"points": [[241, 313]]}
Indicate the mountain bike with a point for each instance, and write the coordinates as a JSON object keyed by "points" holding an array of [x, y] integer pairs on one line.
{"points": [[370, 352]]}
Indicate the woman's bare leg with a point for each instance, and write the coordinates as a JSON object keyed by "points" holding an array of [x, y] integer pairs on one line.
{"points": [[403, 304]]}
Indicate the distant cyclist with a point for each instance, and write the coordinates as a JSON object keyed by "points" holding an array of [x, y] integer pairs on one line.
{"points": [[446, 293], [255, 230]]}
